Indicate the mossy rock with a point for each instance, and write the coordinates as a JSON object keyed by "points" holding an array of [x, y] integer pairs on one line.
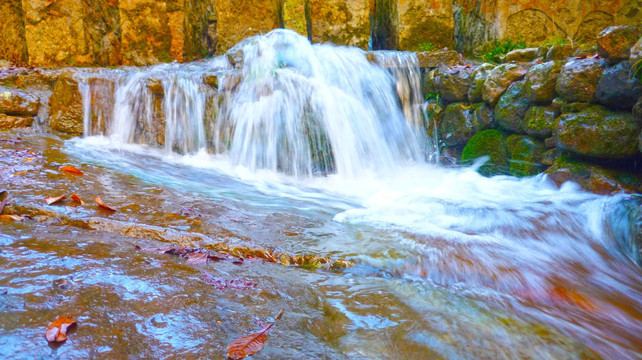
{"points": [[65, 106], [455, 83], [539, 121], [599, 133], [491, 143], [541, 80], [512, 107], [593, 178], [455, 126], [525, 155], [578, 79], [479, 77]]}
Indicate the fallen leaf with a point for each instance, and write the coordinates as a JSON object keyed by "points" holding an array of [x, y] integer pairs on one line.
{"points": [[11, 217], [20, 173], [57, 330], [162, 250], [71, 169], [251, 344], [6, 201], [197, 258], [28, 159], [77, 199], [102, 204], [53, 200]]}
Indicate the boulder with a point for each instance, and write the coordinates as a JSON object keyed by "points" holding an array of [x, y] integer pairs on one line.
{"points": [[434, 59], [592, 178], [18, 102], [525, 155], [637, 112], [599, 133], [12, 122], [522, 55], [559, 52], [65, 106], [499, 80], [430, 83], [483, 117], [479, 77], [491, 143], [419, 24], [454, 83], [455, 126], [617, 89], [341, 22], [512, 107], [550, 156], [614, 43], [539, 121], [578, 80], [541, 80], [13, 44]]}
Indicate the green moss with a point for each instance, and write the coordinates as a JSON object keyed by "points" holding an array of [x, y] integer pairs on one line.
{"points": [[526, 156], [497, 49], [426, 46], [489, 143]]}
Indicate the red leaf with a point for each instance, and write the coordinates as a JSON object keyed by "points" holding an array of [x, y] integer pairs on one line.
{"points": [[77, 199], [102, 204], [197, 258], [251, 344], [53, 200], [71, 169], [57, 330]]}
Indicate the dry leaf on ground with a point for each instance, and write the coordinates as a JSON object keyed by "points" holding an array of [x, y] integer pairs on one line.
{"points": [[251, 344], [100, 203], [77, 199], [57, 330], [53, 200]]}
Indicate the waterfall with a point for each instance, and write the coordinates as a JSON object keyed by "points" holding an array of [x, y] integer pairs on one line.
{"points": [[280, 103]]}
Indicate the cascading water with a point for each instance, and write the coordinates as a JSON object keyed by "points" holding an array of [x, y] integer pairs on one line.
{"points": [[278, 105]]}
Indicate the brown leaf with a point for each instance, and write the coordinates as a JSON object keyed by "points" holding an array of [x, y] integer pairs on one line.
{"points": [[77, 199], [251, 344], [6, 201], [53, 200], [71, 169], [197, 258], [57, 330], [102, 204], [11, 217]]}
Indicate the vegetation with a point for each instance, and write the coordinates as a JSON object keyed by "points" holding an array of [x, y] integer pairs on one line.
{"points": [[427, 46], [498, 48]]}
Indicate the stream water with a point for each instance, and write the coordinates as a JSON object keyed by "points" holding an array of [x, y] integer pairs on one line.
{"points": [[313, 150]]}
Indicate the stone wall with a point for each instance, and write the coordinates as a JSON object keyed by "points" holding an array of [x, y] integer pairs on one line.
{"points": [[143, 32], [543, 110]]}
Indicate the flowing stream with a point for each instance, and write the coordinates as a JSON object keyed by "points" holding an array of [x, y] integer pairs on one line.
{"points": [[313, 149]]}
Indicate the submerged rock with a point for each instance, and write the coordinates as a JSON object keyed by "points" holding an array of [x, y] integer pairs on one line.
{"points": [[618, 89], [614, 43], [539, 121], [598, 132], [512, 107], [65, 106], [525, 155], [541, 80], [499, 79], [18, 102], [592, 178], [491, 143], [578, 80]]}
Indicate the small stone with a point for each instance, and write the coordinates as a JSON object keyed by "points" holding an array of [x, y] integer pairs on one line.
{"points": [[550, 142], [522, 55], [499, 79], [578, 80], [550, 155], [211, 80], [155, 86], [512, 107], [539, 121], [559, 52], [541, 80], [617, 89], [479, 77], [614, 43]]}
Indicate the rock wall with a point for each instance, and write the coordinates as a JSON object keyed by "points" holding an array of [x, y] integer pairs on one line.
{"points": [[538, 21], [13, 44], [575, 118]]}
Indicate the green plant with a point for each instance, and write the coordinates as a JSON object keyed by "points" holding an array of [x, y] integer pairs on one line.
{"points": [[635, 70], [432, 96], [427, 46], [502, 47]]}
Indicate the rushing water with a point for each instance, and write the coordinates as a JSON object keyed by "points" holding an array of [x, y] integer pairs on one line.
{"points": [[318, 143]]}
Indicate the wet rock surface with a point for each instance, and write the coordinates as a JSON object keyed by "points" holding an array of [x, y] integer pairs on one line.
{"points": [[614, 43], [65, 106], [499, 79], [512, 107], [18, 102], [578, 80], [618, 89]]}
